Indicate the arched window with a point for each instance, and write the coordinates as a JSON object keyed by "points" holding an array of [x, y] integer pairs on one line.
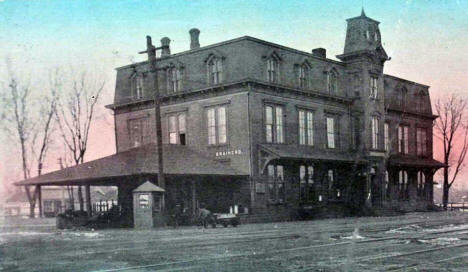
{"points": [[174, 79], [401, 96], [215, 70], [137, 86], [303, 75], [272, 70], [332, 80], [273, 67]]}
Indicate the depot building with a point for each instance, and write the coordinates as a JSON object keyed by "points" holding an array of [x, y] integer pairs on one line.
{"points": [[269, 129]]}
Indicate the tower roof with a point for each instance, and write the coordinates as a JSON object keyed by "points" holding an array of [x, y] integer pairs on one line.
{"points": [[363, 16]]}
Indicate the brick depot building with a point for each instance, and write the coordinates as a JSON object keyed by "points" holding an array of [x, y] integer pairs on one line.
{"points": [[272, 129]]}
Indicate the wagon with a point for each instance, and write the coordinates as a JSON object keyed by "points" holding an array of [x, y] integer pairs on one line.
{"points": [[226, 219]]}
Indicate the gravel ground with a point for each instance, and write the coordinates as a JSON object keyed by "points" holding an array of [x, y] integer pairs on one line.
{"points": [[413, 242]]}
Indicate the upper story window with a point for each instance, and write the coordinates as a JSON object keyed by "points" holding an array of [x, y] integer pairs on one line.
{"points": [[332, 82], [331, 132], [401, 96], [215, 70], [306, 177], [420, 102], [274, 124], [374, 87], [138, 131], [273, 70], [276, 188], [403, 143], [304, 75], [177, 129], [174, 82], [138, 85], [216, 125], [421, 141], [387, 137], [306, 127], [375, 132]]}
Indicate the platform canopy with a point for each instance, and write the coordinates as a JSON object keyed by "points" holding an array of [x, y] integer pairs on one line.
{"points": [[178, 160], [293, 152], [414, 161]]}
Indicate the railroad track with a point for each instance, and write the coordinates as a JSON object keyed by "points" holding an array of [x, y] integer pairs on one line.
{"points": [[213, 236], [173, 266], [240, 237]]}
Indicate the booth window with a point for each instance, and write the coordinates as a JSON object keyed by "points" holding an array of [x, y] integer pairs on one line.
{"points": [[143, 201]]}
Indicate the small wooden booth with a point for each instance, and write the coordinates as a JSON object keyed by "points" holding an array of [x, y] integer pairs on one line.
{"points": [[148, 202]]}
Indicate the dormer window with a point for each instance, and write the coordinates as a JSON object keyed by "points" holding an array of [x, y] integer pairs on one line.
{"points": [[332, 80], [272, 69], [174, 76], [138, 86], [215, 70], [303, 74]]}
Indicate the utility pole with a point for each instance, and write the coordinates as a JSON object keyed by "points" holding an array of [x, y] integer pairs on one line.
{"points": [[151, 51]]}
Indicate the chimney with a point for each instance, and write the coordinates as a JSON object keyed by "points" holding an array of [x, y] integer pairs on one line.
{"points": [[166, 50], [194, 42], [320, 52]]}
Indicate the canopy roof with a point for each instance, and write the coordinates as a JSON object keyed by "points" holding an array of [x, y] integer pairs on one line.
{"points": [[300, 152], [413, 161], [178, 160]]}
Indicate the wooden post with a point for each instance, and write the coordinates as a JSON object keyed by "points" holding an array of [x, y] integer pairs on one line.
{"points": [[39, 199], [151, 52], [88, 200]]}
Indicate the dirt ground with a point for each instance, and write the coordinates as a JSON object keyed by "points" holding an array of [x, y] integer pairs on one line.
{"points": [[413, 242]]}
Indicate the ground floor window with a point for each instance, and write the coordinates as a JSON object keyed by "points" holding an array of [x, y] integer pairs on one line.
{"points": [[403, 184], [276, 186], [334, 190], [386, 185], [421, 183], [306, 176]]}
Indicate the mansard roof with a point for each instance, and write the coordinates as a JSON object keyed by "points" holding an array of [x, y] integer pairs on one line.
{"points": [[236, 40]]}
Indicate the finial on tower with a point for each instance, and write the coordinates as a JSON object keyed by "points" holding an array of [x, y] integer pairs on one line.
{"points": [[363, 14]]}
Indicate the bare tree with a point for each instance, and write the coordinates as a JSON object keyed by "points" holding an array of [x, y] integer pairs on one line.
{"points": [[31, 128], [452, 129], [75, 115]]}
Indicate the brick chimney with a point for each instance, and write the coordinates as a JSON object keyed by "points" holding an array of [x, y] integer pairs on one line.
{"points": [[166, 51], [320, 53], [194, 35]]}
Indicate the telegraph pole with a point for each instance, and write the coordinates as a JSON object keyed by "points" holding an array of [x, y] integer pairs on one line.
{"points": [[151, 51]]}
